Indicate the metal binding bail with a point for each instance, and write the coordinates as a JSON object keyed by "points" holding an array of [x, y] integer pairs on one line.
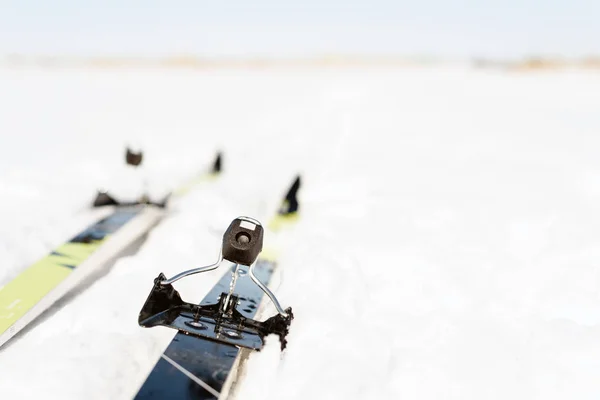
{"points": [[242, 243]]}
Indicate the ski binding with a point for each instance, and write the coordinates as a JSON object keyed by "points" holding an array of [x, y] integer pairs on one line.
{"points": [[225, 320]]}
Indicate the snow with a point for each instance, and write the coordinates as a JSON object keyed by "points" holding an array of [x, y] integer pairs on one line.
{"points": [[448, 246]]}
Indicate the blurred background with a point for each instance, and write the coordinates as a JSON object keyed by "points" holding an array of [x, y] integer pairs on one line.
{"points": [[450, 194], [439, 29]]}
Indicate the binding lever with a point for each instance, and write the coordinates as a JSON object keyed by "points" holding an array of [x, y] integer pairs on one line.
{"points": [[242, 244]]}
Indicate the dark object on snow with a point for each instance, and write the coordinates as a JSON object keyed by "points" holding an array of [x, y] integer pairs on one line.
{"points": [[217, 164], [104, 199], [132, 158], [290, 202]]}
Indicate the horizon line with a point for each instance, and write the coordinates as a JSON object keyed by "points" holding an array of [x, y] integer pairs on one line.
{"points": [[190, 60]]}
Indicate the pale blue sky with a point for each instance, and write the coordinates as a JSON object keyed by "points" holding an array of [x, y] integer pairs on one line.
{"points": [[458, 28]]}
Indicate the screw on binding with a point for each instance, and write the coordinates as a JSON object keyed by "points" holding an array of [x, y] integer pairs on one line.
{"points": [[242, 243]]}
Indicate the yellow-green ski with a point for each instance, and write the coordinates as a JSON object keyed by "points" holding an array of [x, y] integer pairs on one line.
{"points": [[39, 286]]}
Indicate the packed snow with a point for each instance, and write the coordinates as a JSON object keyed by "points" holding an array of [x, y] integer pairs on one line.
{"points": [[448, 245]]}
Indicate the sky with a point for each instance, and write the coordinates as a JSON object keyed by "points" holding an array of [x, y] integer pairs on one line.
{"points": [[442, 28]]}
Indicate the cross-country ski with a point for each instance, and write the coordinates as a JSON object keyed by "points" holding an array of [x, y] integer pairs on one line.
{"points": [[39, 286], [205, 357]]}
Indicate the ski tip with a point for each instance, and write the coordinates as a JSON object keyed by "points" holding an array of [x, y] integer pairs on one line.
{"points": [[290, 204], [218, 164], [133, 158], [104, 199], [288, 211]]}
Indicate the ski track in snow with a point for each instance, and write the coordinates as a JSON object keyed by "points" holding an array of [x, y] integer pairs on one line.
{"points": [[448, 248]]}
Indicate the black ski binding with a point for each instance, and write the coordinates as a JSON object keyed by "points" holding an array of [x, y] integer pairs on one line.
{"points": [[228, 319], [103, 199]]}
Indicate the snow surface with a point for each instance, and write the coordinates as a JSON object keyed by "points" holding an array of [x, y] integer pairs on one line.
{"points": [[449, 245]]}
